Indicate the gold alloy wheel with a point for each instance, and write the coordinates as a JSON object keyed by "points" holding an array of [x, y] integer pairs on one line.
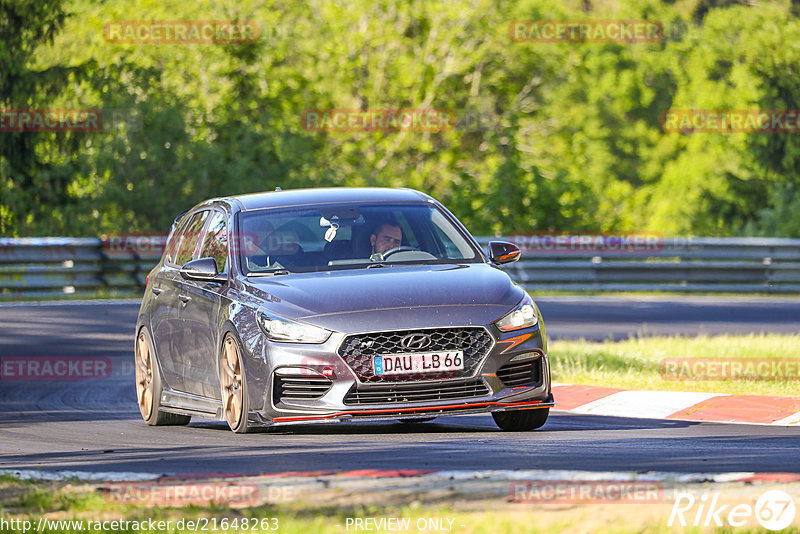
{"points": [[144, 376], [231, 381]]}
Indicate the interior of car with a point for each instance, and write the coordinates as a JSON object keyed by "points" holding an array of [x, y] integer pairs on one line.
{"points": [[319, 238]]}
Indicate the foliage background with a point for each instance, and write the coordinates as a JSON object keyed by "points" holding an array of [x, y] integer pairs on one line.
{"points": [[550, 136]]}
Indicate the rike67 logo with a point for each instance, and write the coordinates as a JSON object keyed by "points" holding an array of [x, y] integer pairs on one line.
{"points": [[774, 510]]}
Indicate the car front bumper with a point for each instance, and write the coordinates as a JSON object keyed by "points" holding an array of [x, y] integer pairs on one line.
{"points": [[486, 391]]}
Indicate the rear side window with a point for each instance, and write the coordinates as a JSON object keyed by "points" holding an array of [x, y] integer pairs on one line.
{"points": [[215, 241], [174, 238], [189, 238]]}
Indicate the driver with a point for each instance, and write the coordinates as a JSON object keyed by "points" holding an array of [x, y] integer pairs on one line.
{"points": [[385, 237]]}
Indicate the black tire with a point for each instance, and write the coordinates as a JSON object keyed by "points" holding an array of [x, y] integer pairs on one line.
{"points": [[148, 375], [521, 420], [233, 386], [419, 420]]}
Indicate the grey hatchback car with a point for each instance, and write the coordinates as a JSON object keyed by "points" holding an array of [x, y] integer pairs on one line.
{"points": [[340, 304]]}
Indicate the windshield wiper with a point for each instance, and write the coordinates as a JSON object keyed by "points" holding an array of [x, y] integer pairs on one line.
{"points": [[271, 273], [400, 264]]}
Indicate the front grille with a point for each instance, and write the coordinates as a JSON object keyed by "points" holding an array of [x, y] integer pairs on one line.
{"points": [[289, 388], [357, 351], [422, 392], [524, 373]]}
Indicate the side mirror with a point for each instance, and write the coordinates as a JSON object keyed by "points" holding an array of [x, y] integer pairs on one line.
{"points": [[501, 252], [203, 270]]}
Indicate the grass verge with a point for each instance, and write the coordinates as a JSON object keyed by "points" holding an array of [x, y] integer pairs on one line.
{"points": [[636, 363]]}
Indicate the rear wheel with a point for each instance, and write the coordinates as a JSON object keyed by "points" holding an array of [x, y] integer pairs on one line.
{"points": [[521, 420], [235, 405], [148, 386]]}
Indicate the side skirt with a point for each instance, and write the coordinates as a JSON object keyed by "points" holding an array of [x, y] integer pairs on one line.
{"points": [[188, 404]]}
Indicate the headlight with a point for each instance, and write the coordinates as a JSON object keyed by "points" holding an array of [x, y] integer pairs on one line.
{"points": [[523, 316], [279, 328]]}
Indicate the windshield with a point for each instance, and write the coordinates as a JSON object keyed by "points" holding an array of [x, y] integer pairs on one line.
{"points": [[329, 237]]}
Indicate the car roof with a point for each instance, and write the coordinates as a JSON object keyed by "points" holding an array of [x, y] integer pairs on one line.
{"points": [[299, 197]]}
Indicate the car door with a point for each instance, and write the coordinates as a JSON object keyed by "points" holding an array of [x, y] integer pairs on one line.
{"points": [[173, 348], [200, 315], [166, 329], [165, 334]]}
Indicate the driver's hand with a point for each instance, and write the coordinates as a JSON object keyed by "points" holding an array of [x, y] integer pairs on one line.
{"points": [[377, 256]]}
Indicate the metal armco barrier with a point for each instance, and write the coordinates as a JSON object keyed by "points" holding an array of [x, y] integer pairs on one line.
{"points": [[651, 263], [55, 265], [60, 265]]}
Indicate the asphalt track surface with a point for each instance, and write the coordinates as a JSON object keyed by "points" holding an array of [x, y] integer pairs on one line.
{"points": [[94, 425]]}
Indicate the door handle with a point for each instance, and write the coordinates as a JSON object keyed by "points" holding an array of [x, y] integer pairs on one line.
{"points": [[157, 291], [185, 298]]}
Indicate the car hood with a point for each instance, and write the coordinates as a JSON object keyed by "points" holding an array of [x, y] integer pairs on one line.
{"points": [[405, 296]]}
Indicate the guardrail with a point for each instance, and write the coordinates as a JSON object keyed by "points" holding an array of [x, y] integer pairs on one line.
{"points": [[53, 266], [652, 263], [58, 265]]}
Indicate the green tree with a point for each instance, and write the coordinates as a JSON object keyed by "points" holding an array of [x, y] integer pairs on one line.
{"points": [[33, 177]]}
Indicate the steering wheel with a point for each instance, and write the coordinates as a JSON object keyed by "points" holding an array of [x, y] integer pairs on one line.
{"points": [[402, 248]]}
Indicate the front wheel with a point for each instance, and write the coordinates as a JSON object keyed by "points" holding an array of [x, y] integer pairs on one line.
{"points": [[235, 404], [521, 420]]}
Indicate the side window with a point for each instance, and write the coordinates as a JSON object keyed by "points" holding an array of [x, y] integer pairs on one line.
{"points": [[173, 239], [169, 247], [191, 234], [215, 241]]}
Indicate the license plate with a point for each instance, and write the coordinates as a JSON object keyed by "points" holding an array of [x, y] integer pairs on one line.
{"points": [[418, 362]]}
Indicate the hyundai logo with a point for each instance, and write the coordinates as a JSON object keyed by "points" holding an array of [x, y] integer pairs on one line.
{"points": [[415, 341]]}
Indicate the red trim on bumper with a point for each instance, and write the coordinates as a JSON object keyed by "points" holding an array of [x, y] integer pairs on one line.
{"points": [[427, 409], [513, 341]]}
